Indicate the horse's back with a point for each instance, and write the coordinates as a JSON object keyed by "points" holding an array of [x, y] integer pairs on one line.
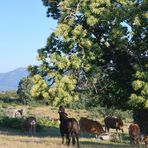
{"points": [[73, 125]]}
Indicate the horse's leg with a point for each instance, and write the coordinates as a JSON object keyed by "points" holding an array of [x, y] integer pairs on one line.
{"points": [[107, 129], [73, 138], [34, 129], [119, 135], [137, 142], [77, 138], [67, 139], [62, 134], [132, 142], [30, 130]]}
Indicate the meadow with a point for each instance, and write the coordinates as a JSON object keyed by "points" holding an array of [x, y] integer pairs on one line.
{"points": [[48, 134]]}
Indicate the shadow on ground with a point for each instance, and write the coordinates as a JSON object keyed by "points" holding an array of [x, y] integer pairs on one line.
{"points": [[94, 144], [43, 132]]}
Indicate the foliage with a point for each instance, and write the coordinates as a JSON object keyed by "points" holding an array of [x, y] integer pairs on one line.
{"points": [[23, 91], [46, 122], [8, 94], [101, 112], [16, 123], [94, 51], [139, 97], [9, 97], [2, 111]]}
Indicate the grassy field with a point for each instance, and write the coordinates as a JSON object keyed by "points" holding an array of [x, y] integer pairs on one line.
{"points": [[15, 139], [49, 136]]}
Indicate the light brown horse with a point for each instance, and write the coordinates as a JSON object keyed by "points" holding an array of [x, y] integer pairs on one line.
{"points": [[134, 134]]}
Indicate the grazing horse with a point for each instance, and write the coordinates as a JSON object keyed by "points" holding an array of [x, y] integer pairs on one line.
{"points": [[29, 124], [68, 127], [90, 126]]}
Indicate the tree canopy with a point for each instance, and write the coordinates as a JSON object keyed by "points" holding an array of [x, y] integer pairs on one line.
{"points": [[96, 50]]}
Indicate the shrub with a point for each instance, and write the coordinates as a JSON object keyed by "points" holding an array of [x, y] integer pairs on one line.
{"points": [[46, 122], [14, 123], [102, 112]]}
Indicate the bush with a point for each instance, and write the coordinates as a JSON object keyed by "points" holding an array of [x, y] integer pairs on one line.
{"points": [[14, 123], [5, 105], [102, 112], [46, 122]]}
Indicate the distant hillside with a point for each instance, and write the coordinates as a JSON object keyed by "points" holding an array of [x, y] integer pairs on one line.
{"points": [[10, 80]]}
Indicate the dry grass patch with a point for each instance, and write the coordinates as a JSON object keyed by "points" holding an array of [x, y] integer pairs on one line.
{"points": [[9, 141], [52, 112]]}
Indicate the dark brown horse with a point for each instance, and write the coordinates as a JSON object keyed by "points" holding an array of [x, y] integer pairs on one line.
{"points": [[91, 126], [29, 125], [114, 123], [68, 127]]}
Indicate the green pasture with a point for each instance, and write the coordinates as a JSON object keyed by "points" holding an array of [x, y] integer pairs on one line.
{"points": [[48, 134]]}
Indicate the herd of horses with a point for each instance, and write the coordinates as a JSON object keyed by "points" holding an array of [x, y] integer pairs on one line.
{"points": [[70, 128]]}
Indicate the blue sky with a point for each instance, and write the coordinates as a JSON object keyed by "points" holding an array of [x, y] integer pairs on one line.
{"points": [[24, 28]]}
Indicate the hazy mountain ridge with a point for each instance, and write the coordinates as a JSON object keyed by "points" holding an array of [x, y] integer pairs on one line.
{"points": [[10, 80]]}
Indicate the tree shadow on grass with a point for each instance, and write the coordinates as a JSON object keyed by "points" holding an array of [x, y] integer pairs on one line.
{"points": [[42, 132], [50, 131], [87, 135], [45, 131]]}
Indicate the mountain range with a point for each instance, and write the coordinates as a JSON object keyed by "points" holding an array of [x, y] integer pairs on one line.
{"points": [[9, 81]]}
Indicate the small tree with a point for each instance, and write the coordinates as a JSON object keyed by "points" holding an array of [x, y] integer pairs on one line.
{"points": [[23, 91]]}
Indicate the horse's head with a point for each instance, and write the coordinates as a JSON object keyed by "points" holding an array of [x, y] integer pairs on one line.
{"points": [[61, 109], [62, 113]]}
